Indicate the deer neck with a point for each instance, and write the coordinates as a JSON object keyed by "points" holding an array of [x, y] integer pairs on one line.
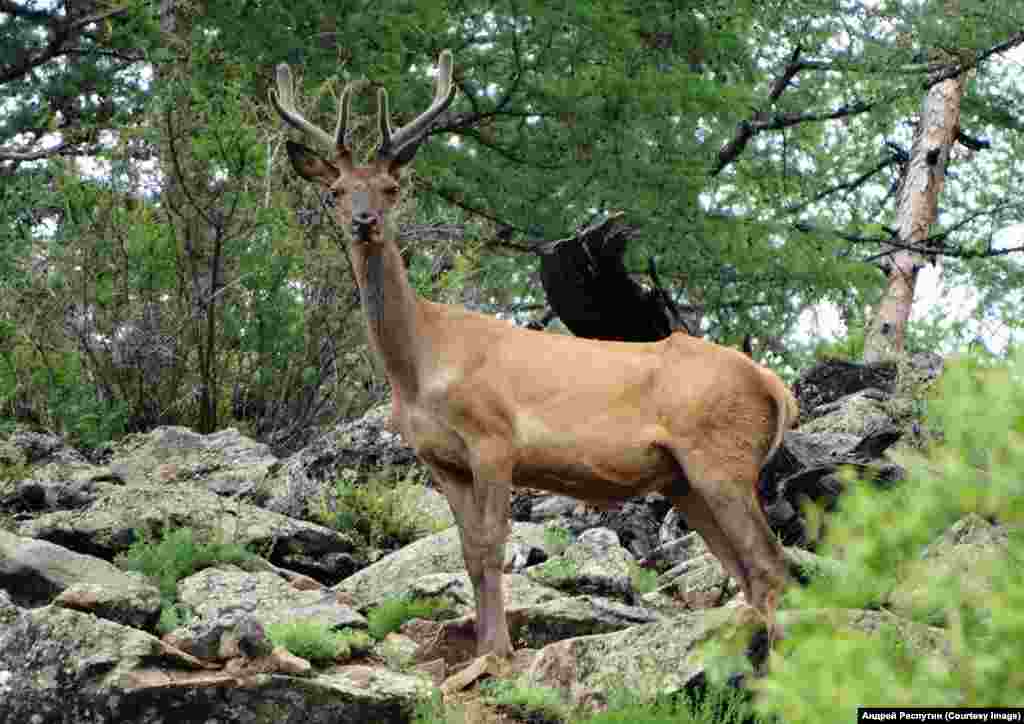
{"points": [[392, 308]]}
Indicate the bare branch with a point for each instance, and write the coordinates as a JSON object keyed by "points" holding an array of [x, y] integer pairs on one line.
{"points": [[761, 122], [975, 144], [847, 185], [965, 65], [36, 155]]}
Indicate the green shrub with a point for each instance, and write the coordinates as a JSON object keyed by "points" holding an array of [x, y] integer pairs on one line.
{"points": [[316, 641], [377, 510], [172, 616], [175, 556], [556, 539], [433, 710], [538, 704], [716, 705], [392, 613], [556, 570], [878, 535]]}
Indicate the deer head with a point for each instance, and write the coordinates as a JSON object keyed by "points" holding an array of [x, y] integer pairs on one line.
{"points": [[363, 195]]}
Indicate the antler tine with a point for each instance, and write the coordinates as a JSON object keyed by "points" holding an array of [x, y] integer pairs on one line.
{"points": [[341, 128], [400, 144], [284, 102]]}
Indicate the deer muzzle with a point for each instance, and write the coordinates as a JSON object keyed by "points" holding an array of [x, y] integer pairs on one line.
{"points": [[364, 216]]}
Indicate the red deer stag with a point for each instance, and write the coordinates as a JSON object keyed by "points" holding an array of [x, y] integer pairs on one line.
{"points": [[488, 405]]}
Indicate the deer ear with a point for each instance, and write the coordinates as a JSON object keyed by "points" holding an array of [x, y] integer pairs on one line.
{"points": [[310, 166]]}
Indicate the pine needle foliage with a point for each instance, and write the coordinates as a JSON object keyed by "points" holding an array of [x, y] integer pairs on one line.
{"points": [[818, 675]]}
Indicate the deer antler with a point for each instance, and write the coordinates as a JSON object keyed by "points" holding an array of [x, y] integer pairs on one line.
{"points": [[400, 145], [284, 101]]}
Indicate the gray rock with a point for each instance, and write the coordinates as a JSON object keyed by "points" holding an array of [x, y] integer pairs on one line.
{"points": [[651, 659], [673, 527], [861, 413], [675, 551], [519, 591], [538, 625], [637, 521], [36, 572], [439, 553], [219, 598], [225, 462], [9, 610], [667, 656], [107, 527], [697, 583], [28, 447], [595, 563], [363, 446], [64, 667], [549, 507]]}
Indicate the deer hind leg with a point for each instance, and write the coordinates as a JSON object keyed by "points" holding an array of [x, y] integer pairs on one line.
{"points": [[721, 504], [482, 514]]}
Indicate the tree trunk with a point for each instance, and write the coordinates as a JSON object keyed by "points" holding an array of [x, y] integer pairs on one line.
{"points": [[918, 208], [588, 287]]}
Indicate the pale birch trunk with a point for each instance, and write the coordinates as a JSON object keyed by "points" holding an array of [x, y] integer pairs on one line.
{"points": [[918, 208]]}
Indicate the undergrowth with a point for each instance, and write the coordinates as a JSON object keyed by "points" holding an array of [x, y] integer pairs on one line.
{"points": [[973, 466], [643, 580], [535, 704], [318, 642], [378, 510], [556, 539], [392, 613], [172, 557], [527, 702]]}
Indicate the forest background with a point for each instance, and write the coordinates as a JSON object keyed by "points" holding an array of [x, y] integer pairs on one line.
{"points": [[161, 264]]}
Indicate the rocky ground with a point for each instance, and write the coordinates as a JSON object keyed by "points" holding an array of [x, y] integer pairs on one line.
{"points": [[78, 632]]}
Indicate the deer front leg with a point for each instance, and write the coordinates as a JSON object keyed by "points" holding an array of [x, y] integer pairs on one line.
{"points": [[481, 511], [483, 545]]}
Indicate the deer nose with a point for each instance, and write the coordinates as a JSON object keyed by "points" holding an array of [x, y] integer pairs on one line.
{"points": [[364, 218]]}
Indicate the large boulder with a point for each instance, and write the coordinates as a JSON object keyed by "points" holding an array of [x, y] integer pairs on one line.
{"points": [[594, 563], [110, 524], [225, 462], [36, 572], [671, 655], [439, 553], [64, 667], [636, 521], [360, 447], [219, 598]]}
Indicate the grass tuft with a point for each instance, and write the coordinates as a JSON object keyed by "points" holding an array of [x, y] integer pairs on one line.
{"points": [[316, 641], [392, 613], [175, 556]]}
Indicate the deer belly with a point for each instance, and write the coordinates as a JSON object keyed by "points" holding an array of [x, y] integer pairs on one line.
{"points": [[591, 462]]}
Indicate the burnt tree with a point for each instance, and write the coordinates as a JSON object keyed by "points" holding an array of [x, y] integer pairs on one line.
{"points": [[588, 287]]}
